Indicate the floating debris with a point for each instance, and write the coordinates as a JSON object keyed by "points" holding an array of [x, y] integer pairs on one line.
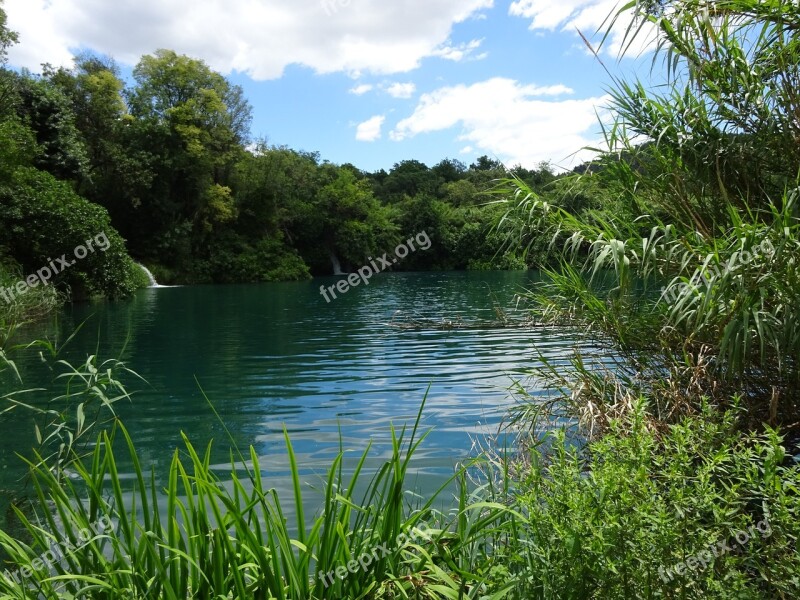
{"points": [[403, 321]]}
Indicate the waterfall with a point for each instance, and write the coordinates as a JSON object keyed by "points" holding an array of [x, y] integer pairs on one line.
{"points": [[153, 282], [337, 267]]}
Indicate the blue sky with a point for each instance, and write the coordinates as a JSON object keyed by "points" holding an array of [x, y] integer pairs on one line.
{"points": [[370, 82]]}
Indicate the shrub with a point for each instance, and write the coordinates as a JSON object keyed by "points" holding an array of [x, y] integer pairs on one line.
{"points": [[267, 260], [36, 303], [649, 515], [42, 219]]}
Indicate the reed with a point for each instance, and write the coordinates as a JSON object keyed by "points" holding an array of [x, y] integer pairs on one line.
{"points": [[203, 536]]}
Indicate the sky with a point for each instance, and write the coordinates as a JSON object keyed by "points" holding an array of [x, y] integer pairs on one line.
{"points": [[371, 82]]}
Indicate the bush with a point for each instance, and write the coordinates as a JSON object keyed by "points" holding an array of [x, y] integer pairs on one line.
{"points": [[505, 262], [645, 515], [42, 219], [140, 278], [267, 260]]}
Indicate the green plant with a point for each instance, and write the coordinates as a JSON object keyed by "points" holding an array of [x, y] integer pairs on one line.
{"points": [[705, 175], [23, 308], [43, 219], [204, 537], [617, 518], [66, 425]]}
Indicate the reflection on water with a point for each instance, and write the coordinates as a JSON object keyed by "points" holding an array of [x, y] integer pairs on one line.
{"points": [[277, 355]]}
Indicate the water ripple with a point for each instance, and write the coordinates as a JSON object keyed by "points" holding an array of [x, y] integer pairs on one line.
{"points": [[276, 356]]}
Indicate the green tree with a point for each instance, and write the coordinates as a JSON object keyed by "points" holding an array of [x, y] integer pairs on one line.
{"points": [[346, 220], [7, 39], [450, 170], [121, 172], [442, 224], [460, 193], [47, 110], [192, 123], [408, 178], [95, 89], [484, 172], [272, 185], [484, 163]]}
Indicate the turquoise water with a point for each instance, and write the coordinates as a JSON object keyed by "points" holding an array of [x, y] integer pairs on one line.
{"points": [[271, 356]]}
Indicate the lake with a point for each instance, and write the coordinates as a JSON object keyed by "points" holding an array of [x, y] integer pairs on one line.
{"points": [[270, 356]]}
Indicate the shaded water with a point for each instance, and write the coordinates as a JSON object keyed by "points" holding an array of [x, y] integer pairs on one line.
{"points": [[277, 355]]}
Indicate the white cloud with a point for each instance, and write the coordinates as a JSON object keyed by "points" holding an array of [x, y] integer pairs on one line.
{"points": [[587, 16], [42, 38], [521, 124], [370, 130], [401, 90], [362, 89], [259, 37], [460, 52]]}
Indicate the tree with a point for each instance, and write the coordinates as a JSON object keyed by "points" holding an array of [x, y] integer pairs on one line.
{"points": [[185, 92], [7, 39], [95, 89], [484, 163], [408, 178], [193, 123], [450, 170], [485, 171], [347, 220], [272, 186], [460, 193], [441, 223], [47, 110], [538, 178]]}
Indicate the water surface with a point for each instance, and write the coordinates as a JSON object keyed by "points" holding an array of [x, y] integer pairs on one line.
{"points": [[277, 356]]}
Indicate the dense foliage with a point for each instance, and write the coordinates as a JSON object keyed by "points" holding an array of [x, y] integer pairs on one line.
{"points": [[693, 510], [169, 157], [48, 233], [699, 221]]}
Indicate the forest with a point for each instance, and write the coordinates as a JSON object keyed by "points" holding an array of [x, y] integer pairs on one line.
{"points": [[168, 161]]}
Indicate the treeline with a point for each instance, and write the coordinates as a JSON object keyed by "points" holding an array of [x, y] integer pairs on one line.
{"points": [[43, 218], [167, 162]]}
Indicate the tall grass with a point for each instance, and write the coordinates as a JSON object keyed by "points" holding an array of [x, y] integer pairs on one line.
{"points": [[24, 308], [206, 537], [695, 181], [609, 520]]}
